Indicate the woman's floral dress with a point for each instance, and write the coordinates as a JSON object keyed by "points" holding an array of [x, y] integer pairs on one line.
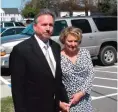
{"points": [[78, 77]]}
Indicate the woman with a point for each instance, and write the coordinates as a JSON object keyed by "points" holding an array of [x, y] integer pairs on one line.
{"points": [[77, 70]]}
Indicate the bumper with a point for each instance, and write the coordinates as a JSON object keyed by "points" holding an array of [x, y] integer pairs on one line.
{"points": [[5, 61]]}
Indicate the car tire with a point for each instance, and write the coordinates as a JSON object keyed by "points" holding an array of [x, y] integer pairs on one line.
{"points": [[108, 55]]}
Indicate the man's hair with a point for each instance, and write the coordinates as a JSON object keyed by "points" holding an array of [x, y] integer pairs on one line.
{"points": [[44, 12]]}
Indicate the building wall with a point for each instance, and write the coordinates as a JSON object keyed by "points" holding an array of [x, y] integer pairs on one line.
{"points": [[2, 14], [79, 13], [12, 17], [9, 17]]}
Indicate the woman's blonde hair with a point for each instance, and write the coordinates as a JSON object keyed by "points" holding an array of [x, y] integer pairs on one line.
{"points": [[70, 31]]}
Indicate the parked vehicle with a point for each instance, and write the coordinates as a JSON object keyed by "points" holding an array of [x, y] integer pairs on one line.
{"points": [[11, 31], [27, 21], [6, 24], [99, 37]]}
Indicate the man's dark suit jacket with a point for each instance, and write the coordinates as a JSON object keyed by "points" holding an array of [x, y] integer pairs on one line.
{"points": [[33, 84]]}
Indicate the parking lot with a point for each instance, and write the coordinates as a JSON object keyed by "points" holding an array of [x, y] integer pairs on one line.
{"points": [[104, 93]]}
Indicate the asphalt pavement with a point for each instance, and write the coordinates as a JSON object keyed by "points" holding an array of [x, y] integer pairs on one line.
{"points": [[104, 93]]}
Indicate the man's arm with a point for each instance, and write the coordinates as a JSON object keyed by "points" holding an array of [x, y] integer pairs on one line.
{"points": [[17, 71]]}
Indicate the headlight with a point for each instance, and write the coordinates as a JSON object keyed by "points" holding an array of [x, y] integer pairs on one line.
{"points": [[2, 51]]}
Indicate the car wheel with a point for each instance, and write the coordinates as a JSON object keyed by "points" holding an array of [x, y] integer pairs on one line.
{"points": [[108, 55]]}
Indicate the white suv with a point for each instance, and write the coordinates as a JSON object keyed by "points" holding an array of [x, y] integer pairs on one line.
{"points": [[99, 37]]}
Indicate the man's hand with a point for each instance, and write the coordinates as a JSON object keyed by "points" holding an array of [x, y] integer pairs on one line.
{"points": [[64, 106]]}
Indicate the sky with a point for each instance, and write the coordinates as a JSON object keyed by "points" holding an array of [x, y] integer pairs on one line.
{"points": [[12, 3]]}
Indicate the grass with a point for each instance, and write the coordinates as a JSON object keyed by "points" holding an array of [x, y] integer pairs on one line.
{"points": [[7, 104]]}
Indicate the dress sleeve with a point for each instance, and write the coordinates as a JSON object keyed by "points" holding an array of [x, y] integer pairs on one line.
{"points": [[87, 85]]}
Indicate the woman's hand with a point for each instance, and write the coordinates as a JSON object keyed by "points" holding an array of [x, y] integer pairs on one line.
{"points": [[76, 97], [64, 106]]}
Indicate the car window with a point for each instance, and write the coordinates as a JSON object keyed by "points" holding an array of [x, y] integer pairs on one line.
{"points": [[10, 24], [8, 32], [59, 26], [106, 24], [19, 30], [83, 24], [19, 24]]}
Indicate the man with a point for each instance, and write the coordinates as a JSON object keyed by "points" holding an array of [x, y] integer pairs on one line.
{"points": [[36, 85]]}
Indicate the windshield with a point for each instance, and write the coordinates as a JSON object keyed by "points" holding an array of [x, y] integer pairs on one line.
{"points": [[28, 30]]}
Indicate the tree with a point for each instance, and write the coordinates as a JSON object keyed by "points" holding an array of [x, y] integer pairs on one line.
{"points": [[69, 6], [74, 5], [43, 3], [113, 9], [33, 7], [29, 11], [86, 7], [108, 7]]}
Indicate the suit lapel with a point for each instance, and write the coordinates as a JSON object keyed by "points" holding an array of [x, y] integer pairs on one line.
{"points": [[40, 56], [36, 48]]}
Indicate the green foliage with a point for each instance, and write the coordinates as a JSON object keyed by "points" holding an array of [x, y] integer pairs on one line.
{"points": [[32, 7], [7, 105], [29, 11], [104, 7], [108, 7]]}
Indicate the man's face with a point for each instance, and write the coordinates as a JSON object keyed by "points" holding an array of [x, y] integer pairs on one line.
{"points": [[44, 27]]}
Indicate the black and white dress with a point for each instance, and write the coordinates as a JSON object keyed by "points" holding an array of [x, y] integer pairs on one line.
{"points": [[78, 77]]}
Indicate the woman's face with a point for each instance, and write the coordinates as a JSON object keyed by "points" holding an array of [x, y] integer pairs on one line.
{"points": [[71, 43]]}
